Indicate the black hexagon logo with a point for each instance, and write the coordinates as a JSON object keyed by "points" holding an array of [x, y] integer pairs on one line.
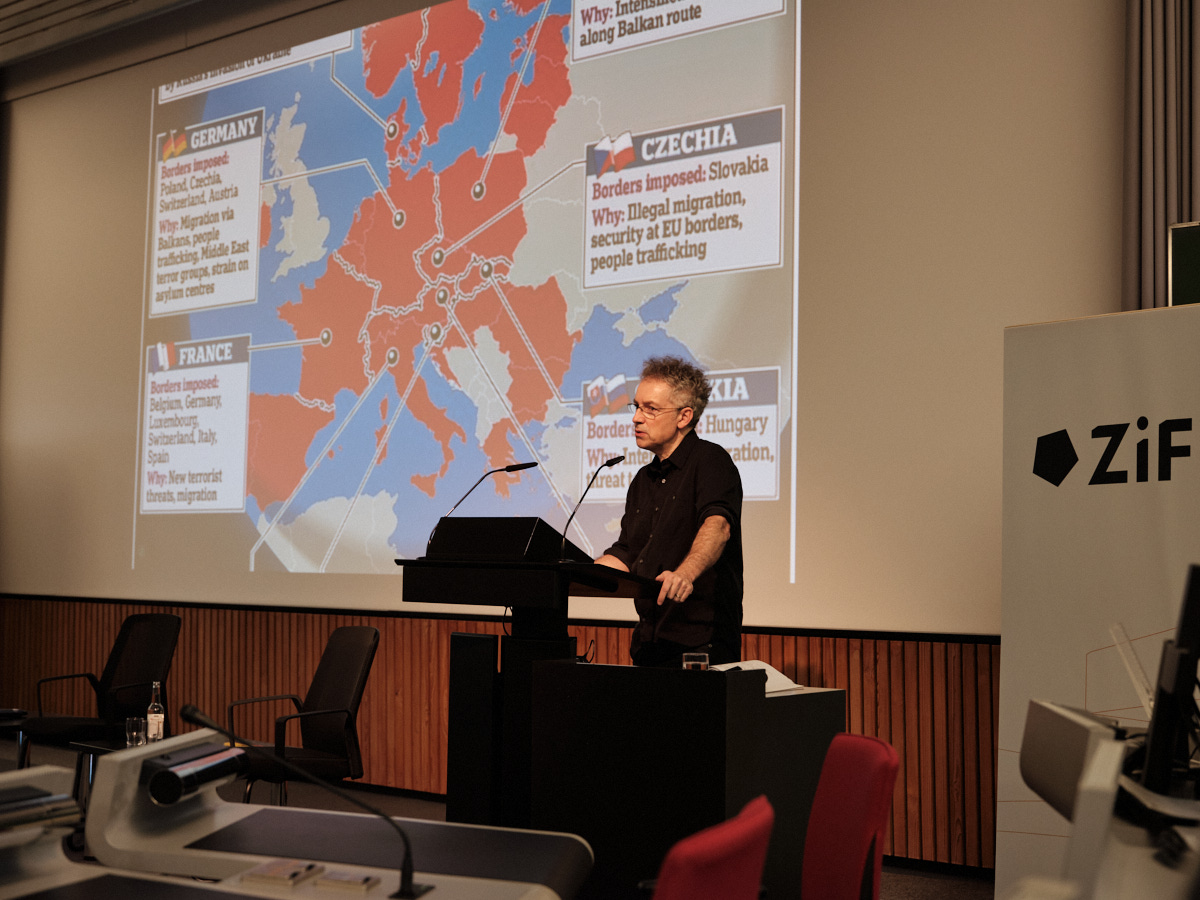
{"points": [[1054, 457]]}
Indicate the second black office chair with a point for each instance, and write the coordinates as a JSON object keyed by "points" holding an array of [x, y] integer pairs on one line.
{"points": [[327, 716]]}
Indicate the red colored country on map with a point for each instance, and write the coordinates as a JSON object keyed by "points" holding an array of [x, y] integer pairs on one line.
{"points": [[397, 148], [541, 313], [452, 29], [401, 333], [498, 450], [376, 248], [444, 429], [341, 304], [280, 430], [406, 332], [462, 214], [534, 111], [381, 430]]}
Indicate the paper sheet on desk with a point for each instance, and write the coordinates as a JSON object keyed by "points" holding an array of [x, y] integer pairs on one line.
{"points": [[777, 682]]}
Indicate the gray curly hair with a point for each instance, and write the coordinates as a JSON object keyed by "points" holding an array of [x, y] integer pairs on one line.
{"points": [[688, 382]]}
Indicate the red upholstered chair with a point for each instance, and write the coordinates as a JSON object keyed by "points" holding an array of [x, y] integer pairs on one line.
{"points": [[843, 847], [725, 861]]}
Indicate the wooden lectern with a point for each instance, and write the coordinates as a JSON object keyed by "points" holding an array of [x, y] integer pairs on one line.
{"points": [[526, 565]]}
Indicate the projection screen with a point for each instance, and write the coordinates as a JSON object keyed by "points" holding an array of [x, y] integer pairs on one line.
{"points": [[303, 295]]}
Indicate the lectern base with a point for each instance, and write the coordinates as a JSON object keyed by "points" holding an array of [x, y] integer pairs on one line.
{"points": [[490, 728], [633, 759]]}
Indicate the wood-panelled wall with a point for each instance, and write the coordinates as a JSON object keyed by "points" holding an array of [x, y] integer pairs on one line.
{"points": [[935, 701]]}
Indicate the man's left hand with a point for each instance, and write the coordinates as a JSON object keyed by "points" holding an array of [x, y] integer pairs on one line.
{"points": [[675, 586], [706, 549]]}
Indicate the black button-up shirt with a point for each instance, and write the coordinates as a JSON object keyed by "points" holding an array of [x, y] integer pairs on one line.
{"points": [[668, 501]]}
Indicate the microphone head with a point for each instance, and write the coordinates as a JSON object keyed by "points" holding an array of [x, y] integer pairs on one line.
{"points": [[193, 715], [517, 467], [612, 462]]}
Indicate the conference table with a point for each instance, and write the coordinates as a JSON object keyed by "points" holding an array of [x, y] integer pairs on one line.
{"points": [[135, 838]]}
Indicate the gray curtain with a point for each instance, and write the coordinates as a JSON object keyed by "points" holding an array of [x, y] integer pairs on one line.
{"points": [[1162, 145]]}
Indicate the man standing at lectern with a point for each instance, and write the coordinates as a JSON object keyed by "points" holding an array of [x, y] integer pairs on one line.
{"points": [[682, 524]]}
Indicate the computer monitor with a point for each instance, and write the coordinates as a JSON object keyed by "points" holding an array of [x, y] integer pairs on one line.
{"points": [[1072, 759], [1058, 744], [1173, 723]]}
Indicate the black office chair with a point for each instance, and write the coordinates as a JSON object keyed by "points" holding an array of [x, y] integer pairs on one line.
{"points": [[328, 716], [141, 655]]}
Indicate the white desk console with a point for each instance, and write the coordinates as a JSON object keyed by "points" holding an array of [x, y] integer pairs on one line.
{"points": [[199, 835]]}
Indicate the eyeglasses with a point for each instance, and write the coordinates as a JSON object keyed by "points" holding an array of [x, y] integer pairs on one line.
{"points": [[651, 412]]}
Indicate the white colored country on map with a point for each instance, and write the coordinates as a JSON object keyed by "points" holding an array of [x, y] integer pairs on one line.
{"points": [[305, 230], [362, 546]]}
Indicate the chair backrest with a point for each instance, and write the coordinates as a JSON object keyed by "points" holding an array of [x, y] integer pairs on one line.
{"points": [[338, 683], [141, 654], [843, 847], [725, 861]]}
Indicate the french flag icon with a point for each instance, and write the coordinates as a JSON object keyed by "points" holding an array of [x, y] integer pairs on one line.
{"points": [[162, 357]]}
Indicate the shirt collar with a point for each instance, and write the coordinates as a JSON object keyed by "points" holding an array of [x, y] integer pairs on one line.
{"points": [[679, 456]]}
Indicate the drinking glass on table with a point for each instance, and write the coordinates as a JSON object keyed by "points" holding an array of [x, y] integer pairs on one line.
{"points": [[135, 731]]}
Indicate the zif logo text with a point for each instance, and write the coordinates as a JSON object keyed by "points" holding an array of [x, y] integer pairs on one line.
{"points": [[1055, 456]]}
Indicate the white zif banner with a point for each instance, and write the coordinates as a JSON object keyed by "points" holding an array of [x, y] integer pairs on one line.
{"points": [[1101, 521]]}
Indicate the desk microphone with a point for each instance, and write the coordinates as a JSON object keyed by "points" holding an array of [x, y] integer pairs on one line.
{"points": [[607, 464], [192, 714], [515, 467]]}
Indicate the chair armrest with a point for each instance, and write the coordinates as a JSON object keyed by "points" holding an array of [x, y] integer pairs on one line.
{"points": [[95, 683], [229, 709], [281, 724]]}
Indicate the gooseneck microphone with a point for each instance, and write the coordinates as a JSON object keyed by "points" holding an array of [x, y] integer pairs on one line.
{"points": [[607, 464], [515, 467], [408, 890]]}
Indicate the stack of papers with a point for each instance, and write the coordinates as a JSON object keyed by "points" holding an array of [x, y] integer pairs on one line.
{"points": [[777, 682]]}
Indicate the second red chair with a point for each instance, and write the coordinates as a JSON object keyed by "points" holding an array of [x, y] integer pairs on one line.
{"points": [[724, 861]]}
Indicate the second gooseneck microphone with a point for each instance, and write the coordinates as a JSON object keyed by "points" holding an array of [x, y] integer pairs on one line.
{"points": [[607, 464]]}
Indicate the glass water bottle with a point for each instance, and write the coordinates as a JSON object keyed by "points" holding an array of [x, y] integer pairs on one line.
{"points": [[155, 714]]}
